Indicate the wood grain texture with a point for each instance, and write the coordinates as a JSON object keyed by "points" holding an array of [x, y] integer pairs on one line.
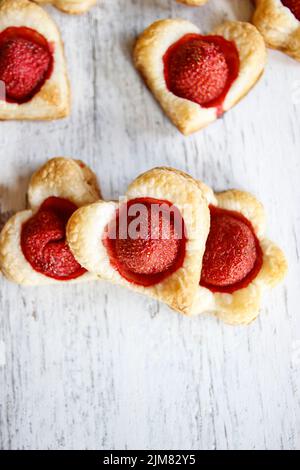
{"points": [[97, 367]]}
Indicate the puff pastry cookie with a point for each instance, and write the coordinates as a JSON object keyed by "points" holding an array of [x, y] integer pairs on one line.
{"points": [[193, 3], [152, 242], [279, 23], [33, 248], [196, 78], [32, 64], [239, 262], [70, 6]]}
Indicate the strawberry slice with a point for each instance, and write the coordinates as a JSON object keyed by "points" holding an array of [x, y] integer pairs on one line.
{"points": [[201, 68], [147, 247], [26, 62], [233, 255], [43, 241]]}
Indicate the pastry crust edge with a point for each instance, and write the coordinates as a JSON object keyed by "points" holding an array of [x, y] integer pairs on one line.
{"points": [[279, 27], [193, 3], [72, 7]]}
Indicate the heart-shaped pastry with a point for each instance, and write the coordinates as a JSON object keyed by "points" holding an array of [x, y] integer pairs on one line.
{"points": [[70, 6], [33, 71], [193, 3], [33, 247], [156, 241], [279, 23], [239, 263], [152, 242], [197, 78]]}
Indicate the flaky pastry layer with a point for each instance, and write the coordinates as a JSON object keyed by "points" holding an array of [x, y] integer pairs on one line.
{"points": [[279, 27]]}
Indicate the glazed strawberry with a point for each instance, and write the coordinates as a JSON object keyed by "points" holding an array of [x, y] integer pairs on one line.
{"points": [[196, 68], [154, 250], [294, 6], [197, 71], [25, 63], [151, 254], [233, 255], [43, 241]]}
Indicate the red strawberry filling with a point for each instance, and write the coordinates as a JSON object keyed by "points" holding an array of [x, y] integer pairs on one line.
{"points": [[201, 69], [43, 241], [294, 6], [233, 256], [146, 240], [26, 62]]}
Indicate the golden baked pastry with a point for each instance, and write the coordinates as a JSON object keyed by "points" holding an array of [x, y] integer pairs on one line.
{"points": [[33, 248], [171, 238], [197, 78], [70, 6], [160, 252], [193, 3], [33, 72], [239, 263], [278, 22]]}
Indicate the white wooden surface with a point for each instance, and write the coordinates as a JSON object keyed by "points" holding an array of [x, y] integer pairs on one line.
{"points": [[97, 367]]}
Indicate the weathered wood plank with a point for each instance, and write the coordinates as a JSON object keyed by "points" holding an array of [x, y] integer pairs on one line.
{"points": [[94, 366]]}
